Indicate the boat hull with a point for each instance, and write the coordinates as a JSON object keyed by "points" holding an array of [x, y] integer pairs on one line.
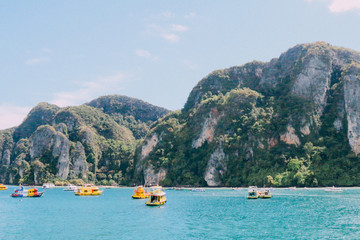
{"points": [[250, 197], [139, 197], [148, 203], [39, 194], [97, 193], [267, 196]]}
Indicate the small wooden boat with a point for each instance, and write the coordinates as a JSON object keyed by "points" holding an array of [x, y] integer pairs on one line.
{"points": [[2, 187], [157, 198], [88, 190], [140, 193], [71, 188]]}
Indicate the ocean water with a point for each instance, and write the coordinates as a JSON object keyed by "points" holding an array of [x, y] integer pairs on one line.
{"points": [[213, 214]]}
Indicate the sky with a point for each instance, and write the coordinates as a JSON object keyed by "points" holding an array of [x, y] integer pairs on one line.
{"points": [[70, 52]]}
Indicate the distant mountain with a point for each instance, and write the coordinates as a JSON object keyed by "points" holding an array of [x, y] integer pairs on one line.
{"points": [[293, 121], [133, 113], [94, 142]]}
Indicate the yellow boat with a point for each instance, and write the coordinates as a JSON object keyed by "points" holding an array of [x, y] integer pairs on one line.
{"points": [[140, 193], [157, 198], [253, 193], [265, 193], [2, 187], [88, 190]]}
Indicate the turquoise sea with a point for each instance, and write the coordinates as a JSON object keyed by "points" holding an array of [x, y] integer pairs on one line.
{"points": [[213, 214]]}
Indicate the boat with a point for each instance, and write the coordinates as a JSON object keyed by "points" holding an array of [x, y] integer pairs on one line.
{"points": [[157, 198], [253, 193], [265, 193], [48, 185], [2, 187], [291, 188], [88, 190], [333, 189], [198, 190], [156, 188], [140, 193], [71, 188], [21, 192]]}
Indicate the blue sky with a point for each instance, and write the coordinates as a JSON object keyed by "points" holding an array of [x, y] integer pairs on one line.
{"points": [[70, 52]]}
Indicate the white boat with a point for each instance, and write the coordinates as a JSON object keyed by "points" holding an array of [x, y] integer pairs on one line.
{"points": [[253, 192], [333, 189], [265, 193], [48, 185], [198, 190], [71, 188]]}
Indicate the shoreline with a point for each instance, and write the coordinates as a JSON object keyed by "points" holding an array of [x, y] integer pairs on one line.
{"points": [[190, 188]]}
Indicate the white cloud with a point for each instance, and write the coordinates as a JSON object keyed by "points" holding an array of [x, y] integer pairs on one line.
{"points": [[179, 28], [46, 50], [344, 5], [145, 54], [11, 115], [170, 37], [167, 14], [192, 15], [338, 6], [90, 90], [169, 33], [37, 61]]}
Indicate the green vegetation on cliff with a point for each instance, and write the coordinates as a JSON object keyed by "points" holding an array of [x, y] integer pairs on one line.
{"points": [[282, 123], [77, 144], [290, 122]]}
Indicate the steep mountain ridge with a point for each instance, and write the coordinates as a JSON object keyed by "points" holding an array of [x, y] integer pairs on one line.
{"points": [[133, 113], [81, 143], [250, 124], [291, 121]]}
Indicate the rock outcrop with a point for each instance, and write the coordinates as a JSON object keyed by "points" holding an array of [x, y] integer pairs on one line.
{"points": [[78, 160], [262, 114], [352, 106], [83, 144], [208, 128], [215, 168]]}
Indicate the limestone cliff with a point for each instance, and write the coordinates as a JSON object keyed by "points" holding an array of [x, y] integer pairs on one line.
{"points": [[80, 143], [262, 114]]}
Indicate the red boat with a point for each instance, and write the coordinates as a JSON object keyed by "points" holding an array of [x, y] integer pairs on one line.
{"points": [[33, 192]]}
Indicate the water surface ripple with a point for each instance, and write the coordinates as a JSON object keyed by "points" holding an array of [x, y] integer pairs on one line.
{"points": [[214, 214]]}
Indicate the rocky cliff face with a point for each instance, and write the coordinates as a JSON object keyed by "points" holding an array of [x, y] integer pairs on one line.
{"points": [[265, 114], [74, 143], [352, 104], [291, 121]]}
